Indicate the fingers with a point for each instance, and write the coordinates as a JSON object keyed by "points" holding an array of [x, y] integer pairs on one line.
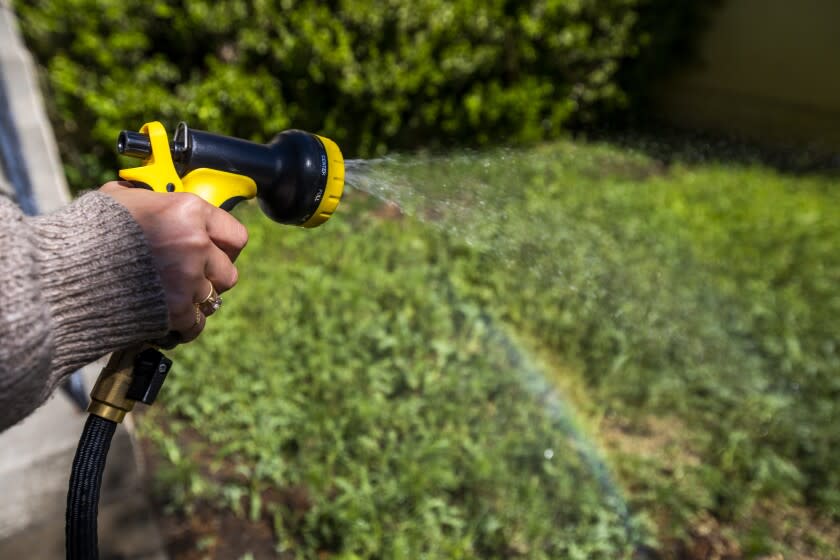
{"points": [[187, 320], [220, 271], [225, 238], [227, 233], [193, 245], [199, 321], [221, 275]]}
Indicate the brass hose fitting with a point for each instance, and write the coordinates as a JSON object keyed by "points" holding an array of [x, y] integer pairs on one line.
{"points": [[131, 375], [108, 398]]}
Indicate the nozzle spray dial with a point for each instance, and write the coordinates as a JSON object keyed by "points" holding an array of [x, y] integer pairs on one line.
{"points": [[298, 178]]}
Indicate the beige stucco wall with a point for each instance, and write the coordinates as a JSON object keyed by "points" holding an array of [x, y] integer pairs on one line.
{"points": [[769, 69]]}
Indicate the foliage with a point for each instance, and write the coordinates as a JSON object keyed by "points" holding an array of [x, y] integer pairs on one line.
{"points": [[700, 297], [372, 75], [700, 294], [349, 396]]}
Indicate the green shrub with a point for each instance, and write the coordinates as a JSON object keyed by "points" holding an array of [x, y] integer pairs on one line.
{"points": [[372, 75]]}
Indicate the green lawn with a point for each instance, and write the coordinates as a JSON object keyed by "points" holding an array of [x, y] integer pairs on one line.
{"points": [[568, 352]]}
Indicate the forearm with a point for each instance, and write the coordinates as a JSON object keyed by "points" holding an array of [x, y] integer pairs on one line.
{"points": [[74, 286]]}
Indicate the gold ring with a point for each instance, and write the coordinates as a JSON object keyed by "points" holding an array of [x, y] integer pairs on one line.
{"points": [[198, 315], [211, 303]]}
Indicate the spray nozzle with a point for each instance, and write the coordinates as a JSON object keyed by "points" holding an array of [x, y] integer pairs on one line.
{"points": [[298, 177]]}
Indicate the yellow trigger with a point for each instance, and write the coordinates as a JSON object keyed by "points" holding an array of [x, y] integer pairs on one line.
{"points": [[157, 171], [220, 187]]}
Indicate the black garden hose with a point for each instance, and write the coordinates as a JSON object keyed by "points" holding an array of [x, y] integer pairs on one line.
{"points": [[85, 482], [132, 375]]}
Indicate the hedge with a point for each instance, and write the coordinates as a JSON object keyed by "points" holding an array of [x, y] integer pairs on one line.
{"points": [[393, 74]]}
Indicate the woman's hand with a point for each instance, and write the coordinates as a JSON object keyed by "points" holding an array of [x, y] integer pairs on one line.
{"points": [[193, 244]]}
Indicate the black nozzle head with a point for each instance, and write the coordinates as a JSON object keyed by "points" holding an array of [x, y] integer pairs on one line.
{"points": [[300, 180]]}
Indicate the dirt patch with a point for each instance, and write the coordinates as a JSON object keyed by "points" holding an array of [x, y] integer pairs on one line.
{"points": [[799, 530], [807, 535], [212, 534], [708, 541], [653, 437], [206, 533]]}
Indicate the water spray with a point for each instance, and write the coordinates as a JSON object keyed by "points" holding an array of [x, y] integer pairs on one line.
{"points": [[297, 178]]}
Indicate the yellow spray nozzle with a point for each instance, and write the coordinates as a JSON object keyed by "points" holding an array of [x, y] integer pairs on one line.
{"points": [[298, 177]]}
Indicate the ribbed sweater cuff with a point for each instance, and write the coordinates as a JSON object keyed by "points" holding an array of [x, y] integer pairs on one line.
{"points": [[100, 283]]}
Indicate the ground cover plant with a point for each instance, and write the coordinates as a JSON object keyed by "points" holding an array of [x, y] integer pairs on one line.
{"points": [[373, 414], [369, 386]]}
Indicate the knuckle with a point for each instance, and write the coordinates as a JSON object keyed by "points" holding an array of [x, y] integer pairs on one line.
{"points": [[200, 241], [190, 204], [195, 240]]}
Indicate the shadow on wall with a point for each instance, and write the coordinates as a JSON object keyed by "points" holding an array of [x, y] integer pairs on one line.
{"points": [[767, 71]]}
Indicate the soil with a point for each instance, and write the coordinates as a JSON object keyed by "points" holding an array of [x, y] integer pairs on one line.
{"points": [[806, 534], [207, 533], [212, 534]]}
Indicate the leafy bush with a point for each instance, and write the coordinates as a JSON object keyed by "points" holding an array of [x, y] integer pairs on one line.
{"points": [[372, 75]]}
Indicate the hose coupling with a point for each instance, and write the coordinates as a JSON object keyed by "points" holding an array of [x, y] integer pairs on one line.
{"points": [[131, 375]]}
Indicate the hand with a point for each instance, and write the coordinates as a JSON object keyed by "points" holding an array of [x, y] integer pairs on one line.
{"points": [[193, 244]]}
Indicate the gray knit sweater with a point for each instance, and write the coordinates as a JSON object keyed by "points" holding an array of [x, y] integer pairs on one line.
{"points": [[74, 285]]}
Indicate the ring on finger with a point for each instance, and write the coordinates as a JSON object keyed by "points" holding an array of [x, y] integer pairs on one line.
{"points": [[211, 303]]}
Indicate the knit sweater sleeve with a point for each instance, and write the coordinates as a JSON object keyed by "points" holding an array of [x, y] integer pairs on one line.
{"points": [[74, 285]]}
